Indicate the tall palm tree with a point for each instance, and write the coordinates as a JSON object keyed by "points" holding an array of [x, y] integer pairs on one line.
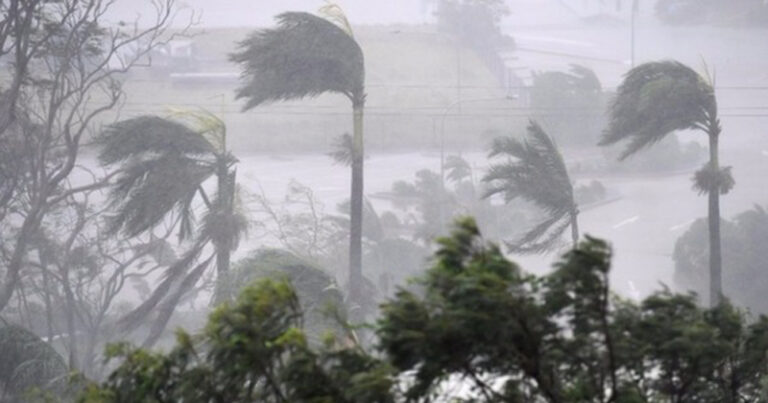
{"points": [[305, 56], [164, 163], [535, 171], [658, 98]]}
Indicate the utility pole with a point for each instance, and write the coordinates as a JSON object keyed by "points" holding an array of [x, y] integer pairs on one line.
{"points": [[635, 9]]}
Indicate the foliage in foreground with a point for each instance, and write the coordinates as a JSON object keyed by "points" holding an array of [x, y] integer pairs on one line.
{"points": [[320, 298], [479, 325]]}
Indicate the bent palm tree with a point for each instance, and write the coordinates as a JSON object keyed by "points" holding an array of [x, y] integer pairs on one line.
{"points": [[164, 164], [656, 99], [305, 56], [535, 172]]}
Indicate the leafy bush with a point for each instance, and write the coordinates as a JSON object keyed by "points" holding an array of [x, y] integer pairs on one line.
{"points": [[479, 324], [252, 350], [318, 294]]}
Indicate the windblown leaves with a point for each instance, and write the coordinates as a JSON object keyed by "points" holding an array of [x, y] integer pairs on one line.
{"points": [[304, 56], [655, 99], [146, 191], [535, 171], [707, 180], [130, 138]]}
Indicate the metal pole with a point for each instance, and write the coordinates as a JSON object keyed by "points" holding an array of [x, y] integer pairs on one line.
{"points": [[633, 18]]}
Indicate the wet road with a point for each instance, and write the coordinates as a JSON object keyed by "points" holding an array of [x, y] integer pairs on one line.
{"points": [[642, 226]]}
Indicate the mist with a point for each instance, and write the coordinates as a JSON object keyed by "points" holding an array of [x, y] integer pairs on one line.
{"points": [[161, 162]]}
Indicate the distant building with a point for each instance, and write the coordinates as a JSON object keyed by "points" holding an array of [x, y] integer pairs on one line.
{"points": [[175, 56]]}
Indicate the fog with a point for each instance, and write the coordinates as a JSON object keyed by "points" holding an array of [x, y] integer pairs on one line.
{"points": [[198, 156]]}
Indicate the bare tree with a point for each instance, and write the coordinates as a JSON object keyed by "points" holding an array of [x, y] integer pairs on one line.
{"points": [[67, 66]]}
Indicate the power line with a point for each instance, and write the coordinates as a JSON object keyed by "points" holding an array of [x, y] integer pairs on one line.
{"points": [[420, 115], [335, 108], [450, 86]]}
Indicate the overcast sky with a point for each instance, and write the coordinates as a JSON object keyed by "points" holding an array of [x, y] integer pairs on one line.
{"points": [[217, 13]]}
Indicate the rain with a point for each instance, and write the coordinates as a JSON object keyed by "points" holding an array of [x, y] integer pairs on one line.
{"points": [[383, 201]]}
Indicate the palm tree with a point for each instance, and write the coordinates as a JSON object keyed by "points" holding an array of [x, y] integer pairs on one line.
{"points": [[658, 98], [164, 163], [535, 171], [305, 56]]}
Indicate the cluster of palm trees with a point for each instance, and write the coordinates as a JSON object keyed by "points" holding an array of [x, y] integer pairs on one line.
{"points": [[654, 100], [165, 161]]}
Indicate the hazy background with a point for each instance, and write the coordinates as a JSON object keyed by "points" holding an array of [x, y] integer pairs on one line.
{"points": [[415, 74]]}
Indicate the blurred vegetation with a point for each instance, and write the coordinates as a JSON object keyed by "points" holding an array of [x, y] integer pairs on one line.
{"points": [[322, 301], [479, 330], [745, 259], [716, 12], [428, 205], [28, 365], [533, 170], [654, 100], [570, 105], [668, 155]]}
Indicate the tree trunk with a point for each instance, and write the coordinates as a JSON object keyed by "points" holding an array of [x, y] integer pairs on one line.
{"points": [[575, 227], [70, 316], [166, 310], [13, 269], [715, 256], [356, 207], [225, 207]]}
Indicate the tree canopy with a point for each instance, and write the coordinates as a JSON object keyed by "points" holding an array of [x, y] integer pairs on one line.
{"points": [[479, 329], [655, 99], [304, 56]]}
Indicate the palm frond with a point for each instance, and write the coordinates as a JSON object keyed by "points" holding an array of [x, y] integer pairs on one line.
{"points": [[334, 13], [304, 56], [225, 227], [205, 124], [536, 172], [585, 78], [655, 99], [457, 168], [171, 277], [542, 238], [343, 149], [133, 138], [146, 191], [508, 146], [372, 227], [708, 180]]}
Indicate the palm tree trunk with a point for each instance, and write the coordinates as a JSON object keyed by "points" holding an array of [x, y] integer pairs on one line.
{"points": [[715, 256], [356, 207], [225, 204], [575, 227], [166, 310]]}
